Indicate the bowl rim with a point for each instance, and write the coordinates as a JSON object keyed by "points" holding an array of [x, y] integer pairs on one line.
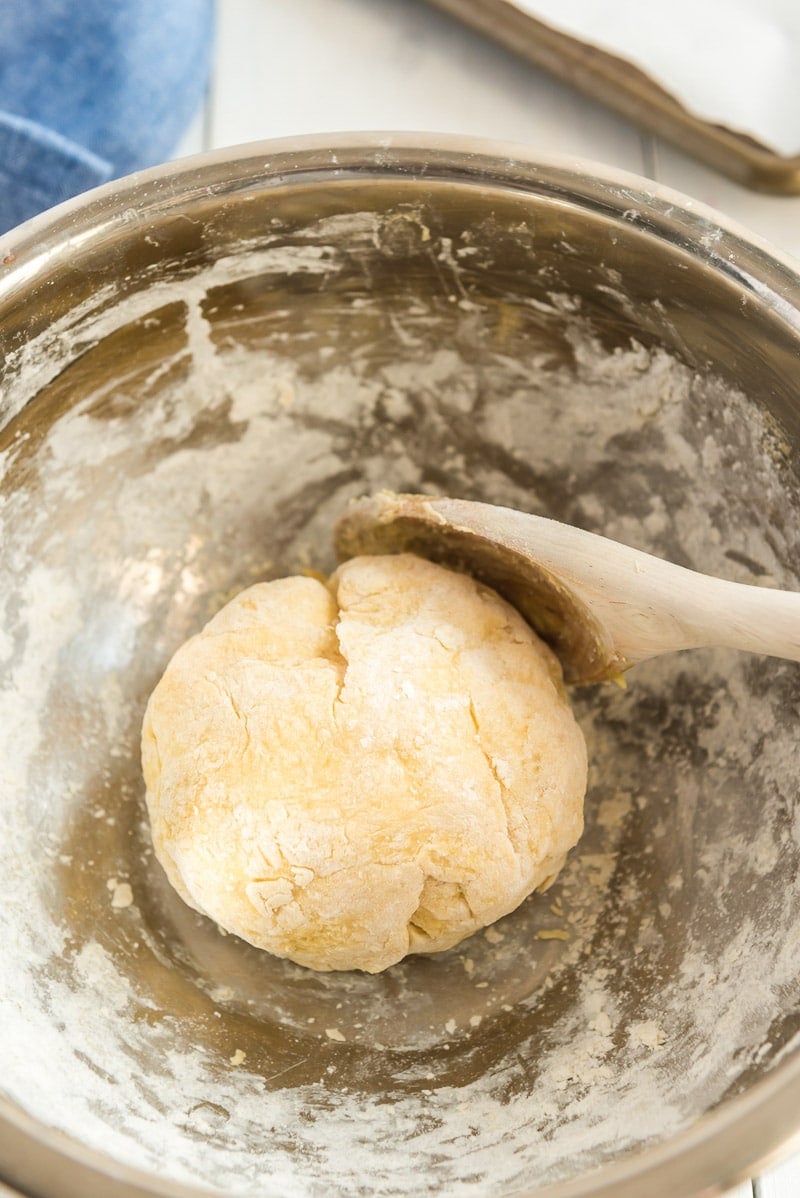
{"points": [[741, 1134]]}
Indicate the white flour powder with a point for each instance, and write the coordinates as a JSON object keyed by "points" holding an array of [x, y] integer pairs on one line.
{"points": [[657, 974]]}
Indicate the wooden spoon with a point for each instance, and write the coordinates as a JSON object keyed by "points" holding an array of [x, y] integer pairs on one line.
{"points": [[602, 606]]}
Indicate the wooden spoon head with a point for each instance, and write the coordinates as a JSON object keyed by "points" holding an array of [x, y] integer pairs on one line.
{"points": [[462, 535]]}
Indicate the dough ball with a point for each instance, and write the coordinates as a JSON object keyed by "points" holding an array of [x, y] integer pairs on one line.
{"points": [[346, 773]]}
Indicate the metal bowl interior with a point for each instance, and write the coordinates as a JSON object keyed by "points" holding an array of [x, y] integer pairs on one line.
{"points": [[203, 364]]}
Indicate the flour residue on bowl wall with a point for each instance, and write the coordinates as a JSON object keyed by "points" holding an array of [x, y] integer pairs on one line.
{"points": [[643, 988]]}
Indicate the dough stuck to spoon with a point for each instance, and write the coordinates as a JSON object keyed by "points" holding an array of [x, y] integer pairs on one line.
{"points": [[343, 774]]}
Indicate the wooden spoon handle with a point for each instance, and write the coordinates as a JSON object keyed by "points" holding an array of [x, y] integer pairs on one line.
{"points": [[756, 619]]}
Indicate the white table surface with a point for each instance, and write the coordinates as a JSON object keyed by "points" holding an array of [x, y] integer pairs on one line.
{"points": [[284, 67]]}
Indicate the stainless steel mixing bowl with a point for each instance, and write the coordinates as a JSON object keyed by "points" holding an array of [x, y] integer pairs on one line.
{"points": [[201, 365]]}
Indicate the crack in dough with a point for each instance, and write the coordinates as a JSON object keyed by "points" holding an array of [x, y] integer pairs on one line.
{"points": [[343, 773]]}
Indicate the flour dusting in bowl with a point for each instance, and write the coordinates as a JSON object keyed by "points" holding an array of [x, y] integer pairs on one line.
{"points": [[648, 985]]}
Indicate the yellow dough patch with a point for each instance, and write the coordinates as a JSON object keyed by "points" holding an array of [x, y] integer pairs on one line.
{"points": [[345, 773]]}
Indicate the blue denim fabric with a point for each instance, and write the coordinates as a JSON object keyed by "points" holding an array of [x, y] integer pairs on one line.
{"points": [[93, 89]]}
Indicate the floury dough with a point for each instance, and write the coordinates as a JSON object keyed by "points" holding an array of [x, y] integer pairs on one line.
{"points": [[346, 773]]}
